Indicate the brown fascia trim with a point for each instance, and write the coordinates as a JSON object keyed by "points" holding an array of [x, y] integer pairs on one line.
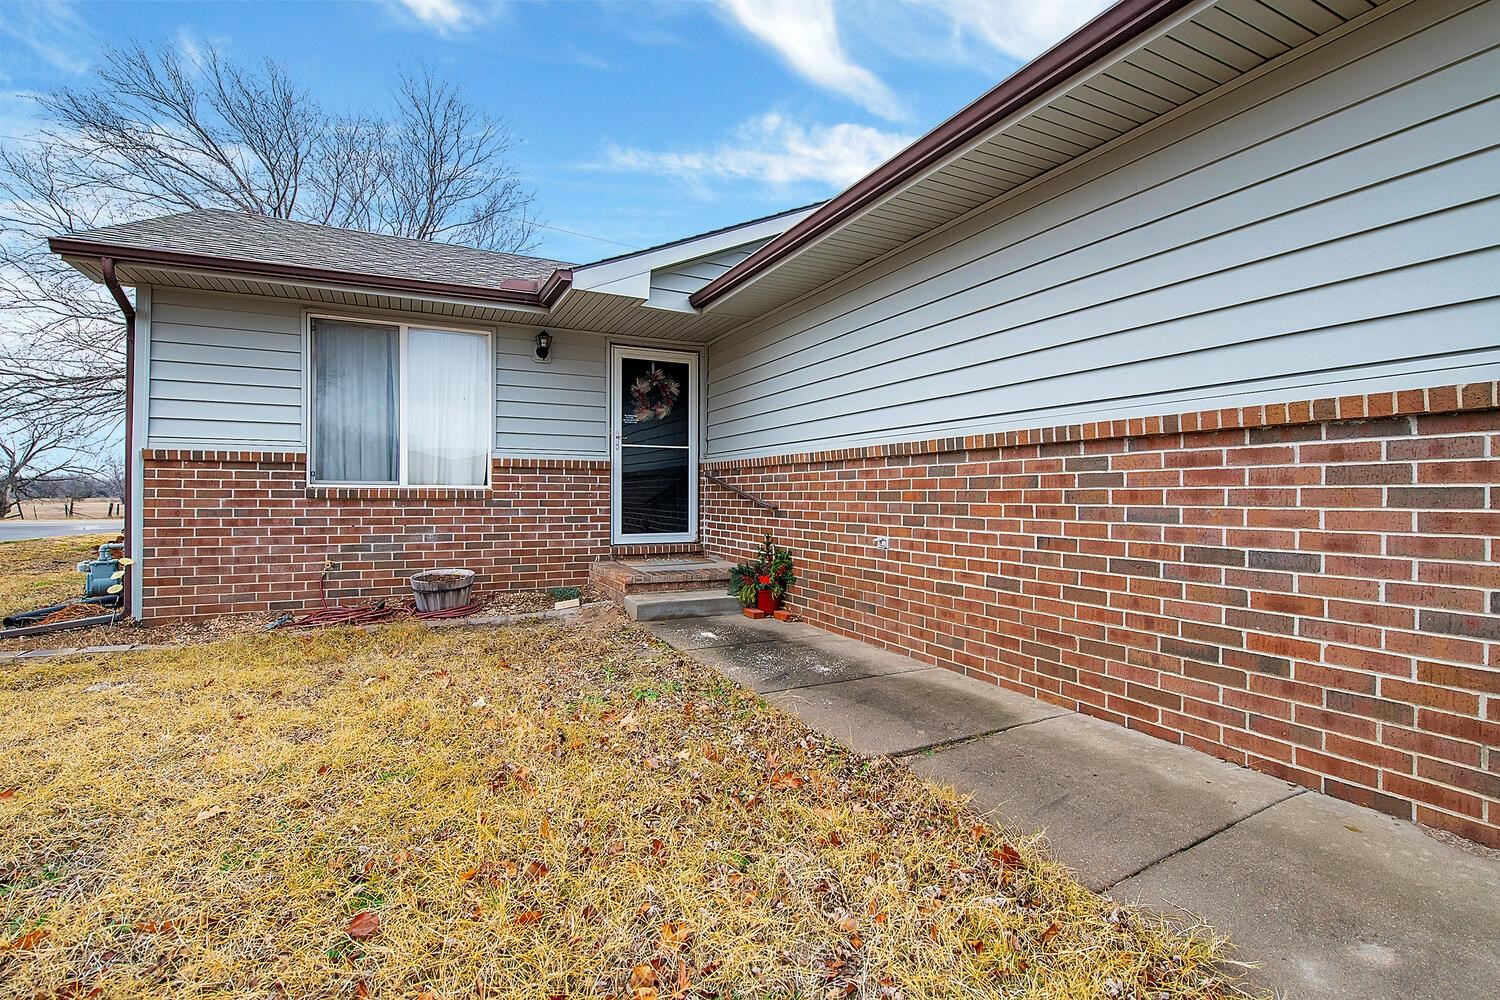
{"points": [[557, 282], [1106, 33], [517, 291]]}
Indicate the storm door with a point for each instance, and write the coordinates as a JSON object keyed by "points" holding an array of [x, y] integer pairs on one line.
{"points": [[654, 445]]}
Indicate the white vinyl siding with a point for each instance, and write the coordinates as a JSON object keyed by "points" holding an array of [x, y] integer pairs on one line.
{"points": [[556, 409], [226, 372], [671, 286], [1332, 226]]}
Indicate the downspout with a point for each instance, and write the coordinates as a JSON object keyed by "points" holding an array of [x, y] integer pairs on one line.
{"points": [[107, 268]]}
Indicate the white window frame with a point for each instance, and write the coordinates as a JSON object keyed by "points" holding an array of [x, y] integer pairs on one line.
{"points": [[618, 353], [403, 327]]}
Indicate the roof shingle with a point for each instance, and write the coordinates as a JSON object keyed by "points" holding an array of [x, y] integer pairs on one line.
{"points": [[240, 236]]}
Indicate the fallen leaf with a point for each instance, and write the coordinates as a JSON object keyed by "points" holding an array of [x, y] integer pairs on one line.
{"points": [[1051, 932], [28, 940], [153, 927], [208, 814], [364, 925], [9, 793], [527, 917], [674, 935], [1006, 856]]}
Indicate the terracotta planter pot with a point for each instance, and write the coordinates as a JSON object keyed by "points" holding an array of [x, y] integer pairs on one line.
{"points": [[766, 601]]}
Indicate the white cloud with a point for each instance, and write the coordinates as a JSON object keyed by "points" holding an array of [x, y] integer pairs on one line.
{"points": [[190, 49], [770, 149], [53, 32], [1017, 28], [805, 34], [446, 17]]}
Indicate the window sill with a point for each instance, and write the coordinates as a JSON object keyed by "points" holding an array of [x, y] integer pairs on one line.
{"points": [[356, 492]]}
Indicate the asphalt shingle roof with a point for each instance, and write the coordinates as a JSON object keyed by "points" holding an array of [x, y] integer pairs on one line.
{"points": [[256, 238]]}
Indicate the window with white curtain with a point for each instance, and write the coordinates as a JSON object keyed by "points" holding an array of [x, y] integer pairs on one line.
{"points": [[400, 404]]}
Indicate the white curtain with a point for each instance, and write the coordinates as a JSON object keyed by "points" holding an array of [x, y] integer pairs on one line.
{"points": [[355, 402], [449, 380]]}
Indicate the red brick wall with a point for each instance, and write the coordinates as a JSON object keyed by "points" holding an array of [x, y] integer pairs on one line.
{"points": [[1310, 589], [228, 532]]}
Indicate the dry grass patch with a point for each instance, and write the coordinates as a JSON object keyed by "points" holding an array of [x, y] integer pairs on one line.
{"points": [[35, 574], [43, 571], [543, 810]]}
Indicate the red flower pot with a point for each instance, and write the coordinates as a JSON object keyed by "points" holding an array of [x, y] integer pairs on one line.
{"points": [[766, 601]]}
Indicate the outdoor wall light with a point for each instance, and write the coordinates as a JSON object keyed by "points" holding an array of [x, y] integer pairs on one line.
{"points": [[543, 352]]}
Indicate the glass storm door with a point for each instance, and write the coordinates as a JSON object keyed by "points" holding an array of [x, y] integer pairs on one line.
{"points": [[654, 435]]}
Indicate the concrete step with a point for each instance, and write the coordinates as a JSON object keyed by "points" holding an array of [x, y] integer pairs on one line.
{"points": [[621, 577], [662, 605]]}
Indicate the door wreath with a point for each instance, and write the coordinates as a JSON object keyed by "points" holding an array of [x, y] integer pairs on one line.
{"points": [[653, 395]]}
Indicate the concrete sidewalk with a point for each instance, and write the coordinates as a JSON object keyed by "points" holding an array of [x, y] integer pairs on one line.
{"points": [[1329, 899]]}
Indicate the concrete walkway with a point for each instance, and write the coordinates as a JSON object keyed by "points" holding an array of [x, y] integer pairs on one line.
{"points": [[1329, 899]]}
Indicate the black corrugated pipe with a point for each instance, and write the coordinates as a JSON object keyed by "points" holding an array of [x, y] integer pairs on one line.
{"points": [[107, 268]]}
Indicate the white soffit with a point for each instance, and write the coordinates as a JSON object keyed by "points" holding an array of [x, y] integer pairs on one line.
{"points": [[630, 274]]}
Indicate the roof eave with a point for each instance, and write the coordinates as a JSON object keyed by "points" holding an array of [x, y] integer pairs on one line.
{"points": [[1113, 28], [600, 275], [552, 289], [517, 291]]}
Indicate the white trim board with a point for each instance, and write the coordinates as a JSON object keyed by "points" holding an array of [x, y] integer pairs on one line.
{"points": [[617, 354]]}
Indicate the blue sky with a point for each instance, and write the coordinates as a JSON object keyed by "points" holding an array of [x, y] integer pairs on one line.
{"points": [[640, 122]]}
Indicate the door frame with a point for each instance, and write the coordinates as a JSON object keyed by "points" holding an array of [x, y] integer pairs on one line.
{"points": [[617, 354]]}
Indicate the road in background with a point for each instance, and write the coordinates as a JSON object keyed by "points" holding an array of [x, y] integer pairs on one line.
{"points": [[15, 531]]}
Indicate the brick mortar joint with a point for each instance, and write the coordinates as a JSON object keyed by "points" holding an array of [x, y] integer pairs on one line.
{"points": [[174, 456], [1459, 398]]}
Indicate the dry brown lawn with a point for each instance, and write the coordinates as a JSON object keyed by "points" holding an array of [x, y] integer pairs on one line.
{"points": [[43, 571], [56, 509], [542, 810]]}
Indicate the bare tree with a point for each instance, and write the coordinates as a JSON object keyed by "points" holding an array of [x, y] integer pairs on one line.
{"points": [[37, 453], [155, 133], [437, 176]]}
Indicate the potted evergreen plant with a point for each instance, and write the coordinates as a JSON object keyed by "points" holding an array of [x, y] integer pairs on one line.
{"points": [[763, 582]]}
